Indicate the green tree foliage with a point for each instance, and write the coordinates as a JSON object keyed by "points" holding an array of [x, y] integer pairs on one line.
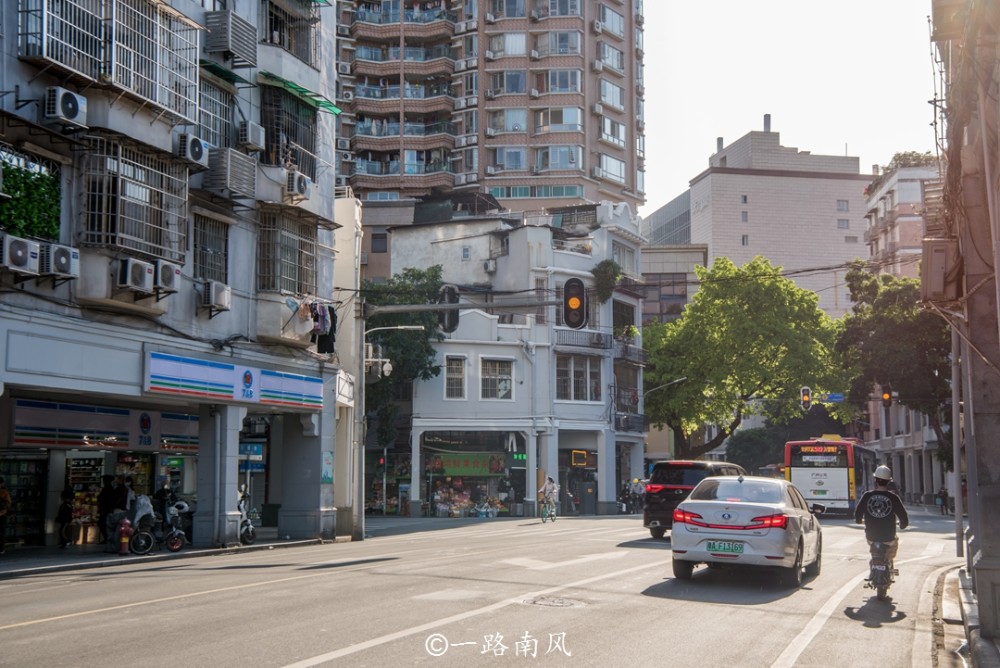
{"points": [[889, 339], [32, 206], [754, 448], [749, 335], [411, 352]]}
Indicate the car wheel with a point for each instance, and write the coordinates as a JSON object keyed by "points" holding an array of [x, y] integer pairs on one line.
{"points": [[657, 532], [683, 569], [813, 569], [793, 575]]}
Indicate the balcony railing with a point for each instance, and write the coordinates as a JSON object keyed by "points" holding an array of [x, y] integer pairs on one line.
{"points": [[408, 91], [583, 339], [631, 353]]}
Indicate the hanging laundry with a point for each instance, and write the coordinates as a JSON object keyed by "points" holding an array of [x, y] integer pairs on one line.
{"points": [[325, 342]]}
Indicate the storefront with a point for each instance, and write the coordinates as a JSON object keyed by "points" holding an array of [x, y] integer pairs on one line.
{"points": [[467, 484]]}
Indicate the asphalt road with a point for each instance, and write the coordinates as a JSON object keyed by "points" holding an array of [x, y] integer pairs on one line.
{"points": [[594, 591]]}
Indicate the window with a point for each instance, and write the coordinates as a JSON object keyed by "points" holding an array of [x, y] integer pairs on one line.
{"points": [[509, 8], [613, 21], [612, 168], [843, 205], [454, 377], [558, 81], [563, 7], [509, 120], [559, 119], [578, 378], [850, 240], [843, 224], [625, 257], [496, 378], [745, 240], [537, 192], [612, 57], [744, 216], [558, 157], [509, 44], [211, 249], [135, 200], [612, 131], [743, 199], [215, 122], [466, 253], [380, 242], [294, 26], [558, 43], [540, 294], [291, 131], [664, 297], [612, 94], [510, 158], [286, 252], [510, 81]]}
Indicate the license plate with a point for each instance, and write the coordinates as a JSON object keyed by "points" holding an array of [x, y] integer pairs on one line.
{"points": [[818, 492], [878, 567], [726, 546]]}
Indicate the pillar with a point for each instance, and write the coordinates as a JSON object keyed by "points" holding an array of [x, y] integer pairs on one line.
{"points": [[307, 508], [417, 476], [216, 522], [607, 487]]}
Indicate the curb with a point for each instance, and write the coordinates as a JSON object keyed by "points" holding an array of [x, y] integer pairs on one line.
{"points": [[984, 651]]}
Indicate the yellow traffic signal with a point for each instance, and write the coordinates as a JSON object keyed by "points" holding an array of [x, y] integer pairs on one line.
{"points": [[886, 396], [805, 394]]}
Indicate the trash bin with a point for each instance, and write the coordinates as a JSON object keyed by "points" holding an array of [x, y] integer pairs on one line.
{"points": [[269, 515]]}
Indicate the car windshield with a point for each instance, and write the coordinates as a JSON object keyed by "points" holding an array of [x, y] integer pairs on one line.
{"points": [[675, 475], [737, 490]]}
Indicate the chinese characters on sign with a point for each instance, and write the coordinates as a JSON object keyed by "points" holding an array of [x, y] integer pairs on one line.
{"points": [[493, 644]]}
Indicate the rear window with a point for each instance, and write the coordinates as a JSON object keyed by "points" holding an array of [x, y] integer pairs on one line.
{"points": [[734, 490], [676, 475]]}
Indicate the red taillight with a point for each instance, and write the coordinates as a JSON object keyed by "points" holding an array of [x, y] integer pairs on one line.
{"points": [[653, 489], [685, 517], [779, 521]]}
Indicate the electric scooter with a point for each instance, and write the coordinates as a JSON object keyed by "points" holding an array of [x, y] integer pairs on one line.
{"points": [[248, 534]]}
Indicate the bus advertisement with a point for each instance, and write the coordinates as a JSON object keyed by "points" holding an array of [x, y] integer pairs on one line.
{"points": [[832, 470]]}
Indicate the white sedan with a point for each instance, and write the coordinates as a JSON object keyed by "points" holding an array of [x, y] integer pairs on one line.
{"points": [[749, 521]]}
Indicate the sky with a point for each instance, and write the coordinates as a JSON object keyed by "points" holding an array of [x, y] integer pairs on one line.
{"points": [[852, 77]]}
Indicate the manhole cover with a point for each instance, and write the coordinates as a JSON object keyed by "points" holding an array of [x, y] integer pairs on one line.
{"points": [[555, 602]]}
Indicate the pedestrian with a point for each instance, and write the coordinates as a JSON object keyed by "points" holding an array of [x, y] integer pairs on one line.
{"points": [[106, 500], [64, 516], [942, 500], [124, 495], [164, 497], [5, 507]]}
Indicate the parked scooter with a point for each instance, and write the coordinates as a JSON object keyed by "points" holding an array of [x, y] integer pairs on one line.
{"points": [[881, 571], [152, 529], [248, 534]]}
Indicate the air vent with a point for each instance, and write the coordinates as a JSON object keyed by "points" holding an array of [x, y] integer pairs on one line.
{"points": [[167, 277], [64, 107], [59, 261], [135, 275], [19, 255]]}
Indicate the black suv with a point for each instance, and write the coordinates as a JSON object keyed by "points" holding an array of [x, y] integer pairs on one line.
{"points": [[670, 483]]}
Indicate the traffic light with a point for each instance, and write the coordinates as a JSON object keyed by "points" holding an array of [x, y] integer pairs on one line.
{"points": [[448, 320], [887, 396], [805, 394], [574, 303]]}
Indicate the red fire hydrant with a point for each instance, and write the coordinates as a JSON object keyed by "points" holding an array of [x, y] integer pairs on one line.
{"points": [[125, 532]]}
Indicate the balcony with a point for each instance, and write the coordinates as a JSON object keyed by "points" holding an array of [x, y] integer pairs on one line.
{"points": [[633, 354], [631, 285], [430, 24], [583, 339], [630, 422], [627, 399]]}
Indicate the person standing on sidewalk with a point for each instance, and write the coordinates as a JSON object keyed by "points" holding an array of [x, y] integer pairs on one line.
{"points": [[5, 507]]}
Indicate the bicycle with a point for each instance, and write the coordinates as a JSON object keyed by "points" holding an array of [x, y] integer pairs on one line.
{"points": [[548, 511]]}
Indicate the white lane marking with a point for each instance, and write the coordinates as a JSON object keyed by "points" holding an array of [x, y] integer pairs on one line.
{"points": [[390, 637], [799, 643], [539, 565], [934, 549]]}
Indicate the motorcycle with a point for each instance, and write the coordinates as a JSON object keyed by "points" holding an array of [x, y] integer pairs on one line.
{"points": [[248, 534], [152, 529], [881, 571]]}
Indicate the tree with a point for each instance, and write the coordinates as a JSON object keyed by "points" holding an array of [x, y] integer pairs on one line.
{"points": [[754, 448], [412, 354], [888, 339], [748, 335]]}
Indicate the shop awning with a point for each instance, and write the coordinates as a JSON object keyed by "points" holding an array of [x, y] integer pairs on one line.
{"points": [[223, 73], [304, 94]]}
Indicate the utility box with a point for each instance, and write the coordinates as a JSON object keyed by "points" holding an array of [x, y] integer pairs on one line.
{"points": [[940, 270]]}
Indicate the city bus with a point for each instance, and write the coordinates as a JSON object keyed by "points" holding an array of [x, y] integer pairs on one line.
{"points": [[832, 470]]}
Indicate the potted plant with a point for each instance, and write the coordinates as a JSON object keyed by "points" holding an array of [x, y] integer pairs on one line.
{"points": [[606, 273]]}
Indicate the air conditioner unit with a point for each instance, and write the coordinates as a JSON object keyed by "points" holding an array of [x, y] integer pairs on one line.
{"points": [[471, 177], [460, 103], [343, 144], [534, 93], [460, 142], [535, 170], [491, 170], [491, 132], [490, 266], [298, 185], [192, 148], [343, 68], [640, 19], [640, 125], [347, 157], [64, 107], [597, 339], [597, 66], [459, 65], [217, 296], [472, 140], [639, 53], [363, 259], [491, 94], [490, 18], [57, 260], [596, 172], [534, 55], [167, 277], [598, 108], [344, 31], [471, 101], [459, 179], [598, 27], [640, 90], [534, 15], [341, 181], [347, 95], [135, 275], [489, 55], [252, 136], [19, 255], [622, 423]]}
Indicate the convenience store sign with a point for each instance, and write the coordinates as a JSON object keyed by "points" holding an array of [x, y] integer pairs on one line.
{"points": [[468, 464], [221, 381]]}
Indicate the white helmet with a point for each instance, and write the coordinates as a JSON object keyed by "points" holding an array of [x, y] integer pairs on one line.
{"points": [[883, 473]]}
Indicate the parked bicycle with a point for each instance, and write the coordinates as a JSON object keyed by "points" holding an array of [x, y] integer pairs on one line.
{"points": [[152, 529]]}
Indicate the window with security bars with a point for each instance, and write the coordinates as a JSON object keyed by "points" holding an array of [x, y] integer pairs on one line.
{"points": [[496, 379], [135, 199], [541, 294], [578, 378], [286, 253], [216, 111], [454, 378], [294, 26], [211, 249], [290, 126]]}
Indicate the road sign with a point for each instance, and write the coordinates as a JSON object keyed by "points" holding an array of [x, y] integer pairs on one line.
{"points": [[832, 397]]}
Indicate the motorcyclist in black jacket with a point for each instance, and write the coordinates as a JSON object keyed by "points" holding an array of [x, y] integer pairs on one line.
{"points": [[878, 509]]}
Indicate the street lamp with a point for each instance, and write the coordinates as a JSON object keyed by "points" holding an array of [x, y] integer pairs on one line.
{"points": [[660, 387], [359, 416]]}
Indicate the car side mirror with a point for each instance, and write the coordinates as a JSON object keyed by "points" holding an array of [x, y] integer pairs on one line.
{"points": [[817, 509]]}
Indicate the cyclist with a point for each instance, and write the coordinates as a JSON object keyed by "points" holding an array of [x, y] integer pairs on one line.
{"points": [[549, 492], [878, 510]]}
